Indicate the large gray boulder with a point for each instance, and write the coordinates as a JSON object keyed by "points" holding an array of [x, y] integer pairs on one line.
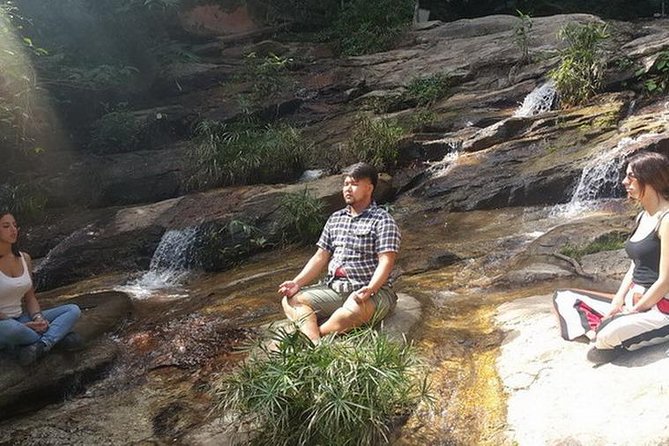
{"points": [[556, 397]]}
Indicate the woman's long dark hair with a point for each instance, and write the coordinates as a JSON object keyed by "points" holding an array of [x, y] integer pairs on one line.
{"points": [[15, 246], [651, 169]]}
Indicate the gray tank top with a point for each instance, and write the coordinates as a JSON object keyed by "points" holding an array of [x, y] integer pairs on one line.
{"points": [[646, 256]]}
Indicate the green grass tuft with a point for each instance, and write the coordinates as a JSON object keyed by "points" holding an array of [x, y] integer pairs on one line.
{"points": [[343, 391]]}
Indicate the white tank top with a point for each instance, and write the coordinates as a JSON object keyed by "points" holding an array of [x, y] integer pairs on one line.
{"points": [[12, 290]]}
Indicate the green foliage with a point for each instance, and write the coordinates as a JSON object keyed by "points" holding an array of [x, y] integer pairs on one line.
{"points": [[18, 85], [419, 119], [99, 77], [245, 152], [579, 75], [343, 391], [522, 34], [369, 26], [267, 74], [222, 246], [656, 80], [117, 131], [25, 200], [376, 141], [428, 89], [301, 217], [307, 14], [607, 242]]}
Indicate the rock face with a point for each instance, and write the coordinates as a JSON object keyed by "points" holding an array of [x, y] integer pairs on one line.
{"points": [[127, 239], [556, 397], [60, 373]]}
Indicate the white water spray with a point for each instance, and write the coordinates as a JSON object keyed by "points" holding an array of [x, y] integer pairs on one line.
{"points": [[171, 263], [599, 179], [540, 100]]}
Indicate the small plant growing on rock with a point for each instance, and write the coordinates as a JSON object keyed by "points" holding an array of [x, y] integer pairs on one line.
{"points": [[579, 75], [245, 152], [521, 36], [656, 80], [266, 74], [375, 141], [25, 200], [117, 131], [369, 26], [428, 89], [343, 391], [606, 242], [301, 218]]}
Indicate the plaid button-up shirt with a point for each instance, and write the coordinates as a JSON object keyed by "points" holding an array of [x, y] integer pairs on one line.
{"points": [[355, 242]]}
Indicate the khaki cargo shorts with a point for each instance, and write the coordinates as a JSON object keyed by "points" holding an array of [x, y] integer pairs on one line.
{"points": [[325, 300]]}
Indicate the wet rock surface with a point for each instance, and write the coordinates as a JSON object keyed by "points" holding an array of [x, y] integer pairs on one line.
{"points": [[61, 373], [557, 397]]}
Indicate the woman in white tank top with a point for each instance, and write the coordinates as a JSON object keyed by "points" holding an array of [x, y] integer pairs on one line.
{"points": [[24, 328]]}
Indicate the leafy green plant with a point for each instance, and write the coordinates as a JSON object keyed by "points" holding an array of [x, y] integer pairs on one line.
{"points": [[245, 152], [25, 200], [376, 141], [420, 118], [19, 90], [579, 75], [267, 74], [522, 33], [428, 89], [343, 391], [656, 80], [369, 26], [301, 217], [117, 131], [221, 246], [607, 242]]}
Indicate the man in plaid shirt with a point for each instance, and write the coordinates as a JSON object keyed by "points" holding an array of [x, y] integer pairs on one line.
{"points": [[359, 245]]}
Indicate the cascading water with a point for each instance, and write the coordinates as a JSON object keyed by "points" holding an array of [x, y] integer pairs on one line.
{"points": [[171, 263], [599, 179], [540, 100]]}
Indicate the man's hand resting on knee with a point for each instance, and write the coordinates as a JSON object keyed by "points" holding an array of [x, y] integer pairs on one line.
{"points": [[289, 288]]}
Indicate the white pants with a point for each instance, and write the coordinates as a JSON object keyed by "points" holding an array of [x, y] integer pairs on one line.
{"points": [[578, 314]]}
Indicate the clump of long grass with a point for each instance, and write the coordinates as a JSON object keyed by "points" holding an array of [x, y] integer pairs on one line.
{"points": [[579, 75], [342, 391], [245, 152], [301, 217]]}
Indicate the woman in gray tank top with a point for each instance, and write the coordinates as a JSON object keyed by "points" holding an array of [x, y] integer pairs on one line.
{"points": [[638, 314], [24, 327]]}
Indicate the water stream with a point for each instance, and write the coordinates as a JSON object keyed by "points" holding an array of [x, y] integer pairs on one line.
{"points": [[600, 179], [172, 262], [541, 100]]}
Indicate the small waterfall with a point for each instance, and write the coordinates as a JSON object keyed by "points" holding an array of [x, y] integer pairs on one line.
{"points": [[540, 100], [599, 179], [171, 263]]}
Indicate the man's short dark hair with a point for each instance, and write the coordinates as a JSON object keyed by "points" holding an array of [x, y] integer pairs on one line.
{"points": [[359, 171]]}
